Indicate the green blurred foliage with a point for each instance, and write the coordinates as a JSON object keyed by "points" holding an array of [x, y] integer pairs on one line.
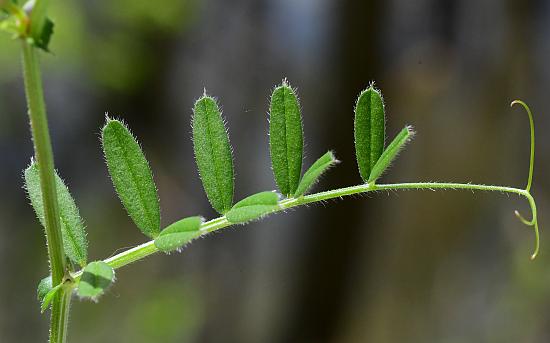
{"points": [[106, 52], [168, 311], [172, 312], [166, 16]]}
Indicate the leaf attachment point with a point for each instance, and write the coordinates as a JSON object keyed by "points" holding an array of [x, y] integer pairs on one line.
{"points": [[95, 279], [369, 130], [131, 177], [13, 19], [213, 154], [285, 138], [311, 176], [176, 235], [73, 231], [26, 22], [253, 207]]}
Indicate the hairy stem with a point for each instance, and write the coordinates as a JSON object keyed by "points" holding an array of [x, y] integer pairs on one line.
{"points": [[60, 316], [141, 251], [44, 158]]}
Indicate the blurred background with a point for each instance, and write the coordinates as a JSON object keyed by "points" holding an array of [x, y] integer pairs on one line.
{"points": [[399, 267]]}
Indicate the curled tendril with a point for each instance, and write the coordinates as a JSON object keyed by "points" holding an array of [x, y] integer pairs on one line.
{"points": [[523, 220], [537, 240], [533, 222]]}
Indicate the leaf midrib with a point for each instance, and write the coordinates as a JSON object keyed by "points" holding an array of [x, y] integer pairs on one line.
{"points": [[75, 246], [371, 120], [217, 177], [285, 133]]}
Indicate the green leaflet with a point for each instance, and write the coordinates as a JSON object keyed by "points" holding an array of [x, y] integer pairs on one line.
{"points": [[95, 279], [43, 288], [178, 234], [253, 207], [314, 172], [72, 225], [213, 153], [49, 297], [285, 138], [370, 130], [44, 40], [131, 177], [391, 152], [45, 292]]}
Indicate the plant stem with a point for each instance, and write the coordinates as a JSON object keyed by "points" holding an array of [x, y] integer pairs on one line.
{"points": [[44, 158], [60, 316], [141, 251]]}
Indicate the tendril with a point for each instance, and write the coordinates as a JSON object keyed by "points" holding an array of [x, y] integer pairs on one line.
{"points": [[537, 241], [533, 222], [523, 220], [532, 129]]}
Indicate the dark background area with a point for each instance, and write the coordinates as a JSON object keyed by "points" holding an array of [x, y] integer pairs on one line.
{"points": [[400, 267]]}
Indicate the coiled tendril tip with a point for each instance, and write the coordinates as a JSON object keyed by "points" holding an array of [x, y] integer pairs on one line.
{"points": [[533, 222], [537, 240], [523, 220]]}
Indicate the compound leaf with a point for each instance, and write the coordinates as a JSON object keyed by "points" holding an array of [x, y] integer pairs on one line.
{"points": [[285, 138], [72, 226], [391, 152], [370, 130], [213, 153], [96, 278], [311, 176], [253, 207], [178, 234], [131, 177]]}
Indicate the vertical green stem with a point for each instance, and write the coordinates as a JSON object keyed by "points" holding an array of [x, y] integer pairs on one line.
{"points": [[60, 316], [44, 158]]}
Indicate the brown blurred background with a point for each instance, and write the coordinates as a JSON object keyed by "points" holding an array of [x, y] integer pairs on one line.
{"points": [[400, 267]]}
